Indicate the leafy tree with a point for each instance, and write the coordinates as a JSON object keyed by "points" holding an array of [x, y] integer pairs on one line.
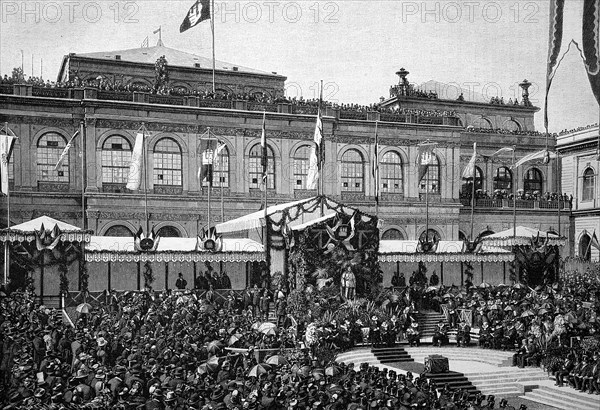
{"points": [[17, 75]]}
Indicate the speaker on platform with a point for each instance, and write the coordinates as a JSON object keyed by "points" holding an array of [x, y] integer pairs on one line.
{"points": [[436, 364]]}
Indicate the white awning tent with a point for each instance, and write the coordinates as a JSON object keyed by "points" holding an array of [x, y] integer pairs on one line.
{"points": [[524, 236], [304, 211], [25, 232], [122, 249], [447, 251]]}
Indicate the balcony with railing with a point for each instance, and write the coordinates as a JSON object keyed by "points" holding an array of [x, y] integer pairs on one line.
{"points": [[507, 204]]}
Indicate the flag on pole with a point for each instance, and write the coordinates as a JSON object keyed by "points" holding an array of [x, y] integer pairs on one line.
{"points": [[316, 156], [65, 152], [469, 171], [135, 167], [7, 143], [425, 157], [498, 152], [375, 165], [591, 43], [145, 42], [199, 12], [263, 149], [544, 155], [554, 45], [211, 149], [594, 242]]}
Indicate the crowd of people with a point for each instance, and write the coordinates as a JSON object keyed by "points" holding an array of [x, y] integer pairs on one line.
{"points": [[505, 131], [500, 194], [177, 350], [583, 128]]}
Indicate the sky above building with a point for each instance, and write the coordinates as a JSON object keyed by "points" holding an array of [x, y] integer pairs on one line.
{"points": [[355, 47]]}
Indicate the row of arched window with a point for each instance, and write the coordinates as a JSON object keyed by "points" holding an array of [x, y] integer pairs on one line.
{"points": [[533, 180], [168, 167]]}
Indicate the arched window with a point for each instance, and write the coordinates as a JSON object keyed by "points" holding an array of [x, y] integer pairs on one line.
{"points": [[390, 173], [49, 148], [255, 168], [116, 155], [503, 179], [512, 125], [118, 230], [482, 123], [353, 171], [392, 233], [432, 234], [431, 177], [533, 181], [301, 160], [167, 163], [478, 181], [169, 232], [585, 248], [589, 180], [220, 170]]}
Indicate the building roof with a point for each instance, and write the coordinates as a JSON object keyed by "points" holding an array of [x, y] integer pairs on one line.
{"points": [[175, 58]]}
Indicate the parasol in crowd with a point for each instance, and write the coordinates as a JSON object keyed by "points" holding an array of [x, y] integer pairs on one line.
{"points": [[277, 360], [519, 286], [214, 346], [333, 370], [261, 368], [485, 285], [84, 308], [233, 339], [528, 313], [543, 311], [209, 366], [267, 327]]}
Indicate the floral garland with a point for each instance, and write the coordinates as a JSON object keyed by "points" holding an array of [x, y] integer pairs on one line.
{"points": [[63, 271], [83, 276]]}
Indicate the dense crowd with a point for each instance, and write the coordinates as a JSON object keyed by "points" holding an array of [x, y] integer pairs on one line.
{"points": [[583, 128], [179, 351], [500, 194], [505, 131]]}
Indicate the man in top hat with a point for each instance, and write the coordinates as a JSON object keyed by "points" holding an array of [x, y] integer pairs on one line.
{"points": [[413, 334], [440, 334], [564, 370], [463, 335], [84, 390], [155, 402]]}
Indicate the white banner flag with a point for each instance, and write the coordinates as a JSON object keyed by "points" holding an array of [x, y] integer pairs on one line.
{"points": [[135, 166], [6, 146]]}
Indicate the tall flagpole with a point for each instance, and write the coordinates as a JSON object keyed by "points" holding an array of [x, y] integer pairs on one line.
{"points": [[376, 169], [209, 183], [473, 199], [83, 173], [144, 154], [221, 169], [6, 247], [558, 187], [427, 204], [266, 182], [514, 189], [321, 159], [212, 29]]}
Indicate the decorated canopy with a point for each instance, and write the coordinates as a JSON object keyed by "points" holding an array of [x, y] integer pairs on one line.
{"points": [[524, 236], [303, 212], [123, 249], [447, 251], [26, 231]]}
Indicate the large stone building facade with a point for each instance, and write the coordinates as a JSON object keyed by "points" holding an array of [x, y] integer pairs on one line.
{"points": [[580, 164], [97, 165]]}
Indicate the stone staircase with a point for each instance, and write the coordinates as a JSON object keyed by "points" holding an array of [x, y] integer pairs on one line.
{"points": [[454, 380], [508, 381], [496, 358], [391, 354], [427, 323], [564, 398], [362, 355]]}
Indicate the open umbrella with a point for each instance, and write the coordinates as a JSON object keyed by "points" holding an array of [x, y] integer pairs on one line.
{"points": [[484, 285], [214, 346], [318, 373], [543, 311], [528, 313], [447, 296], [547, 305], [508, 308], [333, 370], [305, 371], [84, 308], [210, 365], [519, 286], [264, 327], [432, 288], [261, 368], [233, 339], [277, 360]]}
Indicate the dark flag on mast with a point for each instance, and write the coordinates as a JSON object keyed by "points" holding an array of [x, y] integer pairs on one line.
{"points": [[591, 43], [199, 12]]}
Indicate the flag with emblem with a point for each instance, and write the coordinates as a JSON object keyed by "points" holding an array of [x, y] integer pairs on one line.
{"points": [[316, 156], [425, 157], [264, 158], [544, 155], [554, 44], [7, 143], [211, 149], [199, 12], [469, 171]]}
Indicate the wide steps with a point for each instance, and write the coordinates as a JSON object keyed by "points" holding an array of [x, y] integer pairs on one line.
{"points": [[454, 380], [391, 354], [563, 398], [493, 357]]}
